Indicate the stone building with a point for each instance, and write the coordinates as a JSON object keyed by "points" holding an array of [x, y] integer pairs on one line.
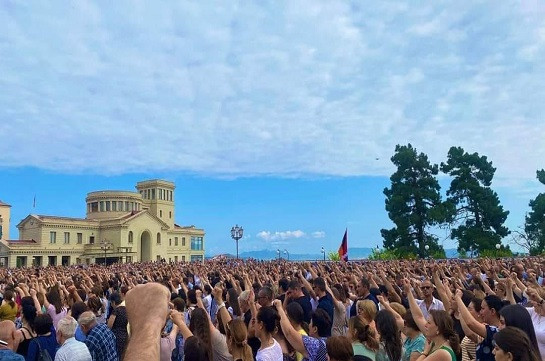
{"points": [[120, 226]]}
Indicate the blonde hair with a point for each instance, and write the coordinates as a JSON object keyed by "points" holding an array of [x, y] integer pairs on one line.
{"points": [[367, 309], [236, 334], [399, 308]]}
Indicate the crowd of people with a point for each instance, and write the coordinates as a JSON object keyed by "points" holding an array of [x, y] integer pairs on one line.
{"points": [[230, 310]]}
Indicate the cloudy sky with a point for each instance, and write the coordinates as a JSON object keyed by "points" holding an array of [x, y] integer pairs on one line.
{"points": [[279, 115]]}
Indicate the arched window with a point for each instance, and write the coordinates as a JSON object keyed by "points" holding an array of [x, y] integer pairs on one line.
{"points": [[158, 238], [130, 236]]}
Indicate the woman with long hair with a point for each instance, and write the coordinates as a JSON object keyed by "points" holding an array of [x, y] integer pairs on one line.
{"points": [[95, 304], [537, 313], [8, 309], [200, 328], [364, 341], [232, 301], [517, 316], [339, 348], [513, 344], [490, 316], [265, 327], [414, 339], [54, 306], [26, 333], [237, 334], [390, 347]]}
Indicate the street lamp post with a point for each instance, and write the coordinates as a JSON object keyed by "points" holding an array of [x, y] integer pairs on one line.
{"points": [[287, 253], [471, 252], [427, 248], [236, 234], [278, 253], [105, 246], [498, 246], [323, 251]]}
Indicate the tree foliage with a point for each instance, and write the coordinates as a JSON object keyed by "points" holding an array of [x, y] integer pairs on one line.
{"points": [[333, 256], [534, 225], [413, 203], [473, 207]]}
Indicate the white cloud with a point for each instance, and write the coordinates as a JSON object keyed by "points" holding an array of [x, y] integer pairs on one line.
{"points": [[318, 234], [283, 88], [280, 236]]}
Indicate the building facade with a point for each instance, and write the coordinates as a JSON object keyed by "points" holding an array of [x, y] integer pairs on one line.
{"points": [[120, 226]]}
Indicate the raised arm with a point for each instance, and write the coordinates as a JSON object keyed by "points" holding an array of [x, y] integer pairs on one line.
{"points": [[416, 312], [294, 338], [471, 322], [386, 305]]}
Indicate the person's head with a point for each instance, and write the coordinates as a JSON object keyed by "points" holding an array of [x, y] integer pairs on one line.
{"points": [[95, 304], [244, 300], [467, 296], [192, 297], [439, 323], [319, 286], [474, 308], [115, 299], [8, 297], [360, 331], [66, 328], [77, 309], [265, 296], [267, 322], [295, 314], [87, 320], [490, 309], [195, 350], [29, 314], [294, 290], [179, 304], [236, 335], [339, 348], [427, 289], [399, 308], [200, 326], [362, 288], [43, 324], [366, 309], [409, 325], [320, 324], [232, 298], [389, 334], [9, 334], [54, 298], [513, 344], [283, 285], [517, 316]]}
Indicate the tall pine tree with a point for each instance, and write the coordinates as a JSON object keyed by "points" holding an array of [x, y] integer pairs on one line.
{"points": [[475, 208], [534, 225], [413, 203]]}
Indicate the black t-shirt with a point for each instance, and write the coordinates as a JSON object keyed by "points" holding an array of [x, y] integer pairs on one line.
{"points": [[304, 302], [370, 296]]}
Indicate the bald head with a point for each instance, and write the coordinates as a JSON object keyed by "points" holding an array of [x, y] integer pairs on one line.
{"points": [[8, 334]]}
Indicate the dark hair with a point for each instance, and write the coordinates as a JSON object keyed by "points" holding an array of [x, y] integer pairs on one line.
{"points": [[8, 297], [319, 283], [389, 334], [192, 296], [467, 296], [477, 303], [269, 317], [294, 285], [516, 341], [27, 301], [195, 350], [365, 283], [517, 316], [321, 320], [267, 291], [78, 308], [115, 297], [339, 348], [43, 324], [283, 284], [54, 297], [445, 326], [295, 313], [200, 326], [29, 314], [494, 302], [179, 304], [95, 304], [409, 321], [233, 302], [363, 333]]}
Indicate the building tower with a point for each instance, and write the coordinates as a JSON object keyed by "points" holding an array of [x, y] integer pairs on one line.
{"points": [[5, 215], [158, 197]]}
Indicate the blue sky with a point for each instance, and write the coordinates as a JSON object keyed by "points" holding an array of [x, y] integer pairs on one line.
{"points": [[269, 114]]}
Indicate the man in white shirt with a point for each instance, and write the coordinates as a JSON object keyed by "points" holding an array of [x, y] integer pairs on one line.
{"points": [[429, 302], [71, 349]]}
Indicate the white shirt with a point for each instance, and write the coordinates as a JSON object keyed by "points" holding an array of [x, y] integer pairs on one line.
{"points": [[73, 350], [539, 327], [271, 353], [435, 305]]}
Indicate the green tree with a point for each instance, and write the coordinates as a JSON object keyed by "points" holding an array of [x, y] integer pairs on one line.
{"points": [[474, 208], [534, 225], [413, 203], [333, 256]]}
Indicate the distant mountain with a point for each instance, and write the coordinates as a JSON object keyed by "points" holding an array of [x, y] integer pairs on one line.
{"points": [[354, 253]]}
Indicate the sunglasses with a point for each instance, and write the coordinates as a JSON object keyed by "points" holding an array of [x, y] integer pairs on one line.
{"points": [[425, 287]]}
